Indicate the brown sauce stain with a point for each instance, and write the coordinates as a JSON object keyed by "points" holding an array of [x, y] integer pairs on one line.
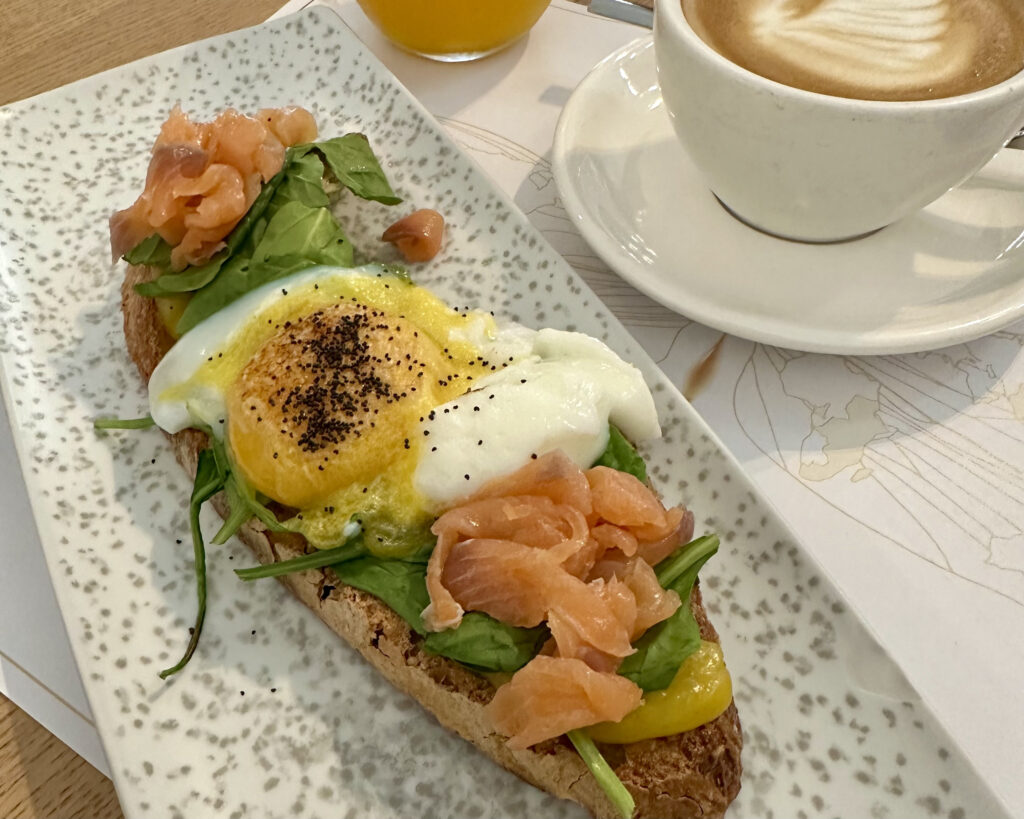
{"points": [[702, 371]]}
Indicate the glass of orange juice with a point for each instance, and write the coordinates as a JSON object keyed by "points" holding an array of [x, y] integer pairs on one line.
{"points": [[454, 30]]}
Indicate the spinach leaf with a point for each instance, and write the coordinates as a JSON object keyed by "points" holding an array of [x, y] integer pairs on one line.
{"points": [[287, 229], [189, 279], [620, 455], [662, 649], [352, 162], [303, 181], [486, 644], [298, 230], [295, 237], [209, 481], [480, 641], [152, 252], [398, 583], [193, 278]]}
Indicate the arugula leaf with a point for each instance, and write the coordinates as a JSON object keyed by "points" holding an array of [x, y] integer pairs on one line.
{"points": [[351, 159], [398, 583], [124, 423], [603, 773], [620, 455], [242, 498], [350, 550], [486, 644], [662, 649], [239, 513], [152, 252], [209, 481]]}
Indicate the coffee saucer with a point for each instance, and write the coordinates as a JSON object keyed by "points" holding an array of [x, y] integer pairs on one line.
{"points": [[951, 273]]}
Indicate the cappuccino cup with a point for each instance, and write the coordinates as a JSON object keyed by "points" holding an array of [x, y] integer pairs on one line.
{"points": [[826, 120]]}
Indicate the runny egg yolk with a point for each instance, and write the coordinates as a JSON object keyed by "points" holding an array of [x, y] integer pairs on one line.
{"points": [[325, 392]]}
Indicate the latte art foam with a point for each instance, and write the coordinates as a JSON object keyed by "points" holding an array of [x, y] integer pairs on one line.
{"points": [[868, 49]]}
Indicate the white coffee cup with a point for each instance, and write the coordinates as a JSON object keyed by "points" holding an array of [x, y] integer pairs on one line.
{"points": [[819, 168]]}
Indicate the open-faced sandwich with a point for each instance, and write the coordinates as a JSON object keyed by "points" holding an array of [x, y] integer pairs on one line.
{"points": [[457, 496]]}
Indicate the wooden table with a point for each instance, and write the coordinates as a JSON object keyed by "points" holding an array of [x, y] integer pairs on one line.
{"points": [[45, 44]]}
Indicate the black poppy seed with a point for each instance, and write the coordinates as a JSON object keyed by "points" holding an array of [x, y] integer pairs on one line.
{"points": [[432, 449], [480, 442], [466, 476], [533, 455], [426, 432]]}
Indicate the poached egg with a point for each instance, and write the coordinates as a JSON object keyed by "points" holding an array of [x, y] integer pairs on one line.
{"points": [[343, 392]]}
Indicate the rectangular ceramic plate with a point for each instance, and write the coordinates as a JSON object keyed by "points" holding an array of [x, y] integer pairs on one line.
{"points": [[275, 715]]}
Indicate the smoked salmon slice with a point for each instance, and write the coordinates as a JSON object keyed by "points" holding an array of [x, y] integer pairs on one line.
{"points": [[553, 475], [653, 602], [204, 176], [552, 695], [622, 499], [524, 586], [681, 531], [552, 543], [418, 236]]}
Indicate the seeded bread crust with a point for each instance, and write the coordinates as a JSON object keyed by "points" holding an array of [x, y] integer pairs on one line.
{"points": [[689, 775]]}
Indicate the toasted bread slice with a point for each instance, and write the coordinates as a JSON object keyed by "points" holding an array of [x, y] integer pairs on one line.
{"points": [[694, 774]]}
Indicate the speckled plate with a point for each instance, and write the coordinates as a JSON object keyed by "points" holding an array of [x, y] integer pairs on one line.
{"points": [[275, 715]]}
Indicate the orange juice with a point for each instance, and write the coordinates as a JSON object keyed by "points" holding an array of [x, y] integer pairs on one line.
{"points": [[453, 30]]}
